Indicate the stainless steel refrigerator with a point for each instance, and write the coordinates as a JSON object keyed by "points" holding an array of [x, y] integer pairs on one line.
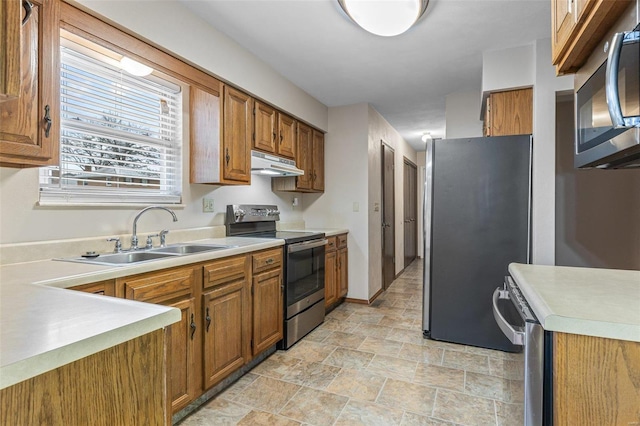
{"points": [[477, 219]]}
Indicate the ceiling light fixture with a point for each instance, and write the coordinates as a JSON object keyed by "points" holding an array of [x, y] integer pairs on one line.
{"points": [[135, 67], [384, 17], [426, 136]]}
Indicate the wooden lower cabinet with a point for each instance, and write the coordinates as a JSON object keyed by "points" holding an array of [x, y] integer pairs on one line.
{"points": [[336, 267], [175, 288], [122, 385], [267, 309], [227, 316], [104, 288], [596, 381]]}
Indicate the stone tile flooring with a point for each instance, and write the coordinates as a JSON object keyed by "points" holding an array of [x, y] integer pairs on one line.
{"points": [[370, 365]]}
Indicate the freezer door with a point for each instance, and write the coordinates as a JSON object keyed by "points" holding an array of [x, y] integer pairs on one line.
{"points": [[480, 223]]}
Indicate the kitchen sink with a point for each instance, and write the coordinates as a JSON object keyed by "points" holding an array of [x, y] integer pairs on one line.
{"points": [[182, 249], [147, 255]]}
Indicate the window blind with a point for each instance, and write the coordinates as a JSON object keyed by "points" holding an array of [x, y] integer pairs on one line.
{"points": [[120, 136]]}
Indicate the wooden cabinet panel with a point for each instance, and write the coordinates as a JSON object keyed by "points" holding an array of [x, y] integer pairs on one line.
{"points": [[265, 121], [105, 288], [330, 278], [158, 287], [510, 113], [226, 270], [596, 381], [267, 310], [226, 333], [26, 138], [563, 21], [331, 244], [205, 117], [267, 260], [343, 272], [10, 57], [304, 159], [342, 240], [237, 131], [182, 374], [287, 128], [318, 161]]}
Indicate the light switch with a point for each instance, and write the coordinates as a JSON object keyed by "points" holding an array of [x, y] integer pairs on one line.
{"points": [[356, 206]]}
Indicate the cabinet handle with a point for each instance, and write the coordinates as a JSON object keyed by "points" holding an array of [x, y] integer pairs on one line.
{"points": [[47, 120], [227, 157], [281, 137], [269, 261], [28, 8], [274, 136], [208, 319], [193, 327]]}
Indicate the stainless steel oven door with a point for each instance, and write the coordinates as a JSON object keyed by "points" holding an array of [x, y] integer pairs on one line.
{"points": [[529, 334], [305, 275]]}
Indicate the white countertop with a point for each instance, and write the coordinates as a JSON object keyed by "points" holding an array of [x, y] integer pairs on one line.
{"points": [[43, 327], [328, 232], [588, 301]]}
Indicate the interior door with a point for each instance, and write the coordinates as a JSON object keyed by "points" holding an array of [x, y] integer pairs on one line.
{"points": [[388, 216], [410, 173]]}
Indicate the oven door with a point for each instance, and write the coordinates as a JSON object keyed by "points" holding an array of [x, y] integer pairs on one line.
{"points": [[305, 275]]}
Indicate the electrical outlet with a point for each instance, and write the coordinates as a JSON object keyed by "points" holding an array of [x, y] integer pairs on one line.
{"points": [[207, 205]]}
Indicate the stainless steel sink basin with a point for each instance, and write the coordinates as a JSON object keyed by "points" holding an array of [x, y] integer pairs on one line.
{"points": [[128, 258], [182, 249]]}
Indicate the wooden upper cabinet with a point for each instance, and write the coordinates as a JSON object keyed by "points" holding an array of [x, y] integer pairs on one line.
{"points": [[237, 131], [578, 26], [29, 123], [304, 156], [11, 15], [318, 161], [287, 128], [265, 122], [509, 113]]}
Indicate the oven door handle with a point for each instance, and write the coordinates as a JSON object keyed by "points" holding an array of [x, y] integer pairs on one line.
{"points": [[516, 337], [293, 248]]}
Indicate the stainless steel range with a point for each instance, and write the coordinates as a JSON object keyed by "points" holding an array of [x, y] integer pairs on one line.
{"points": [[303, 266]]}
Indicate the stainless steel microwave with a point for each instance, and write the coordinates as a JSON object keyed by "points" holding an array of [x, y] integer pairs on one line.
{"points": [[608, 108]]}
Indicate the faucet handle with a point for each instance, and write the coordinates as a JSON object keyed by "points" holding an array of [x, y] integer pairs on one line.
{"points": [[150, 240], [118, 246], [163, 237]]}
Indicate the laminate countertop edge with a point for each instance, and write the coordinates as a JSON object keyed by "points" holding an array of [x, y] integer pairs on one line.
{"points": [[587, 301]]}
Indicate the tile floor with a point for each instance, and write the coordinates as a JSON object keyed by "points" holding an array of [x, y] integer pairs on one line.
{"points": [[369, 365]]}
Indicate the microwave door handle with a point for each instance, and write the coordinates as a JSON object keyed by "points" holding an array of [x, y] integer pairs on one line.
{"points": [[611, 82], [516, 337]]}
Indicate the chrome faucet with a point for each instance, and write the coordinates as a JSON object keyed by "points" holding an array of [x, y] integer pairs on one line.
{"points": [[134, 235]]}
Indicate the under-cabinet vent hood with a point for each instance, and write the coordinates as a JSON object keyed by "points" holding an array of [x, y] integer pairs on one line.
{"points": [[271, 165]]}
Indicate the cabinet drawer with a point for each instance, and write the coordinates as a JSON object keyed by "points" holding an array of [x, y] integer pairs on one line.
{"points": [[225, 270], [267, 260], [105, 288], [158, 287], [332, 244], [342, 240]]}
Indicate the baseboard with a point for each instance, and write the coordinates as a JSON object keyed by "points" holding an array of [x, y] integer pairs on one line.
{"points": [[375, 296], [365, 301]]}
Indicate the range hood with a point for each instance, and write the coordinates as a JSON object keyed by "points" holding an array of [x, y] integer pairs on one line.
{"points": [[271, 165]]}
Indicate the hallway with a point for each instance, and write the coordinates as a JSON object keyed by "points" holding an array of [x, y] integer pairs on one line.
{"points": [[370, 365]]}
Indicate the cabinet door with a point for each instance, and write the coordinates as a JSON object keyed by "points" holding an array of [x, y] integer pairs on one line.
{"points": [[563, 22], [226, 331], [318, 161], [205, 117], [237, 130], [330, 278], [343, 272], [267, 310], [512, 112], [287, 128], [181, 351], [10, 57], [30, 127], [264, 136], [304, 157], [104, 288]]}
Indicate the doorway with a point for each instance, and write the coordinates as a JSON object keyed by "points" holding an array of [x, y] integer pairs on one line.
{"points": [[388, 216], [410, 173]]}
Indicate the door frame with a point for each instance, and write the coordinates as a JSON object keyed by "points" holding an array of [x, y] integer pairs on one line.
{"points": [[410, 190], [383, 147]]}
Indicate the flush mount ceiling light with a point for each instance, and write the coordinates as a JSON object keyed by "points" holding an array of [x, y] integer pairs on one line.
{"points": [[384, 17], [426, 136], [135, 67]]}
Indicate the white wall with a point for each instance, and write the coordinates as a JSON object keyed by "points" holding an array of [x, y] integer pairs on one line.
{"points": [[346, 181], [462, 115], [174, 27], [508, 68]]}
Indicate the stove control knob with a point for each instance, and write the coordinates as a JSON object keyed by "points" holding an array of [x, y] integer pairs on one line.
{"points": [[273, 212], [239, 214]]}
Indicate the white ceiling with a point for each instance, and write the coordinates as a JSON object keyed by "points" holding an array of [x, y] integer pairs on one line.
{"points": [[406, 78]]}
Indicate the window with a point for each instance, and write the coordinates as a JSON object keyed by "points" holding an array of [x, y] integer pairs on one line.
{"points": [[120, 136]]}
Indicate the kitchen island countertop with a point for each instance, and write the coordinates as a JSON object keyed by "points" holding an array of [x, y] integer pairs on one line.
{"points": [[587, 301], [43, 326]]}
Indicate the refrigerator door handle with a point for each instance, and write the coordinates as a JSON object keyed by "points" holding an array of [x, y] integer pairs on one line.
{"points": [[516, 337]]}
